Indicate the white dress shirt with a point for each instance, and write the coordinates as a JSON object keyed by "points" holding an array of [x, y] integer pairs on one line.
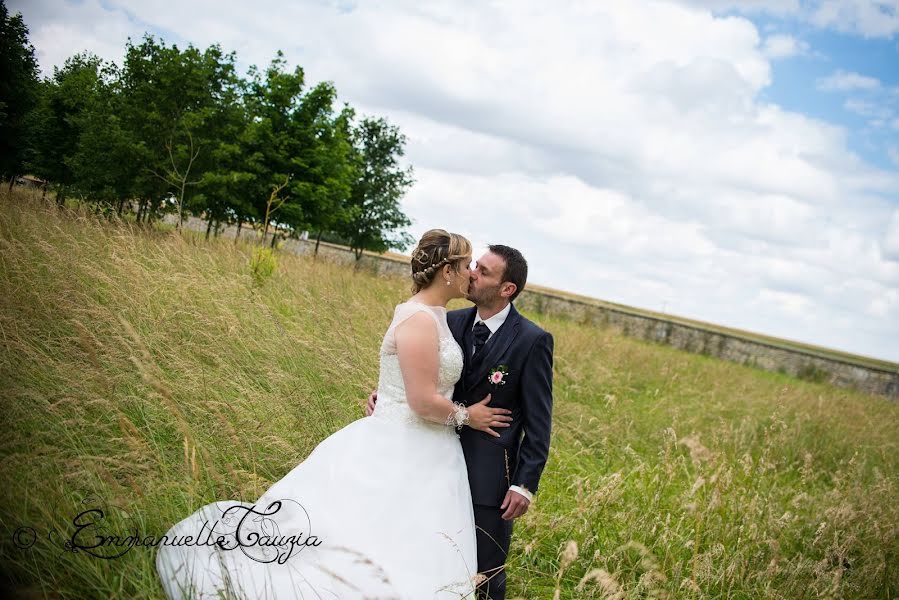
{"points": [[494, 323]]}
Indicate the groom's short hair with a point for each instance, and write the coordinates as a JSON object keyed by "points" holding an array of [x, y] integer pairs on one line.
{"points": [[516, 269]]}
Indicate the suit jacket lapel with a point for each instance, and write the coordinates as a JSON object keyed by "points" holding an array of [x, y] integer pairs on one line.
{"points": [[462, 333], [495, 347]]}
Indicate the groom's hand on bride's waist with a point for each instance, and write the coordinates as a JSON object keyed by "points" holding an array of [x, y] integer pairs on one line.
{"points": [[370, 406], [483, 418], [480, 416]]}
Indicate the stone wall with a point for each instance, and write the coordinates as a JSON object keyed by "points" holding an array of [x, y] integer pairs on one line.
{"points": [[689, 336], [805, 364]]}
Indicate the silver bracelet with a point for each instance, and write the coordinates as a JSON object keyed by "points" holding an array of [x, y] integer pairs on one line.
{"points": [[458, 417]]}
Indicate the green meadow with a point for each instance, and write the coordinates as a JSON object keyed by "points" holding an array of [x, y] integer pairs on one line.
{"points": [[151, 372]]}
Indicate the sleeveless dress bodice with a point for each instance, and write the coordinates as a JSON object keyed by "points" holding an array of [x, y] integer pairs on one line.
{"points": [[392, 402]]}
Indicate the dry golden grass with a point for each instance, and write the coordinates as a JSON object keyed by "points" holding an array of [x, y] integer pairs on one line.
{"points": [[147, 371]]}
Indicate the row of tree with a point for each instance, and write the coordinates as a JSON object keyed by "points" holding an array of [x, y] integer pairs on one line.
{"points": [[174, 130]]}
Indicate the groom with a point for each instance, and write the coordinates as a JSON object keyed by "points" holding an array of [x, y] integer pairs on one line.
{"points": [[510, 358]]}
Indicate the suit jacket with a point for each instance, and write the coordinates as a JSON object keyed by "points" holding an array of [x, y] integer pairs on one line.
{"points": [[518, 456]]}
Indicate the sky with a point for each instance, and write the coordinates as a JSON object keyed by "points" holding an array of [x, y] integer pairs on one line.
{"points": [[732, 162]]}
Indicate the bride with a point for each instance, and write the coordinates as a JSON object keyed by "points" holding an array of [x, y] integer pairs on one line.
{"points": [[381, 508]]}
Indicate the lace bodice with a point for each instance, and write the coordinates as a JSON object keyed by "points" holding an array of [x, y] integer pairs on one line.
{"points": [[392, 403]]}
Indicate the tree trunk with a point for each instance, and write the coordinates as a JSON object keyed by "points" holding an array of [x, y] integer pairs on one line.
{"points": [[318, 240], [120, 206], [60, 196], [239, 225], [264, 233], [12, 180], [209, 227], [274, 239]]}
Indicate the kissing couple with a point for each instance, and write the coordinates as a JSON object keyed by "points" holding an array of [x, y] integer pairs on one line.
{"points": [[417, 499]]}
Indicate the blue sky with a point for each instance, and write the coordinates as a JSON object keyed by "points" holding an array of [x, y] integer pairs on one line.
{"points": [[796, 79], [732, 162]]}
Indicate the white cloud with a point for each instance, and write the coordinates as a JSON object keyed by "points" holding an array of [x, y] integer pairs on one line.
{"points": [[885, 305], [893, 153], [870, 18], [623, 146], [846, 81], [790, 303], [783, 46], [779, 7], [60, 29], [891, 237], [866, 108]]}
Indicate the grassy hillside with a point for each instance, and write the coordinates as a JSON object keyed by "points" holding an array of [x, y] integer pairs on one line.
{"points": [[145, 372]]}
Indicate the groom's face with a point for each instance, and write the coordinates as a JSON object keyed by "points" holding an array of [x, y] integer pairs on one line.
{"points": [[487, 279]]}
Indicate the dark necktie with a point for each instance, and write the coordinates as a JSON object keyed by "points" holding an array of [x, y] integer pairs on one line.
{"points": [[481, 333]]}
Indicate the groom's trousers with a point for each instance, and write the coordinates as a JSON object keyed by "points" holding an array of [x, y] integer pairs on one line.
{"points": [[493, 537]]}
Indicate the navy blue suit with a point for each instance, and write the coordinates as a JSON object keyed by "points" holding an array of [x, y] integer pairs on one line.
{"points": [[518, 456]]}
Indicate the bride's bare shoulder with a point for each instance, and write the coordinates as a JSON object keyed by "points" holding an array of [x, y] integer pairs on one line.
{"points": [[418, 322]]}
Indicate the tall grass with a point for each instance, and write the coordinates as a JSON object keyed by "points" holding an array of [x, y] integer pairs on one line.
{"points": [[152, 372]]}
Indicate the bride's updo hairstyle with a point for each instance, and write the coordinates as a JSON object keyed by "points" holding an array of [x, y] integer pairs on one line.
{"points": [[435, 249]]}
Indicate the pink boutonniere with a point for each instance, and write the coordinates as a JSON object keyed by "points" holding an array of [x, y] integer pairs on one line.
{"points": [[498, 375]]}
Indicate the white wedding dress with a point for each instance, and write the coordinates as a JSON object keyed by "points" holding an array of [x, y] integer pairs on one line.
{"points": [[387, 497]]}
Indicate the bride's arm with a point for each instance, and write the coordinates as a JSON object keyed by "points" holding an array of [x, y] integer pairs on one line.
{"points": [[417, 346]]}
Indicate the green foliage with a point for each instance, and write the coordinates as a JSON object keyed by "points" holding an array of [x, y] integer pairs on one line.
{"points": [[374, 215], [262, 264], [56, 123], [179, 131], [182, 107], [810, 372], [78, 141], [18, 91]]}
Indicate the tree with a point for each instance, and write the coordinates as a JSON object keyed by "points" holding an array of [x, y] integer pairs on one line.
{"points": [[273, 141], [54, 124], [179, 176], [76, 141], [173, 102], [225, 188], [18, 92], [275, 202], [178, 128], [374, 218], [105, 162], [329, 161]]}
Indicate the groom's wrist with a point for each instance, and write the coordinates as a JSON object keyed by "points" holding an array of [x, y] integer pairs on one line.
{"points": [[523, 491]]}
